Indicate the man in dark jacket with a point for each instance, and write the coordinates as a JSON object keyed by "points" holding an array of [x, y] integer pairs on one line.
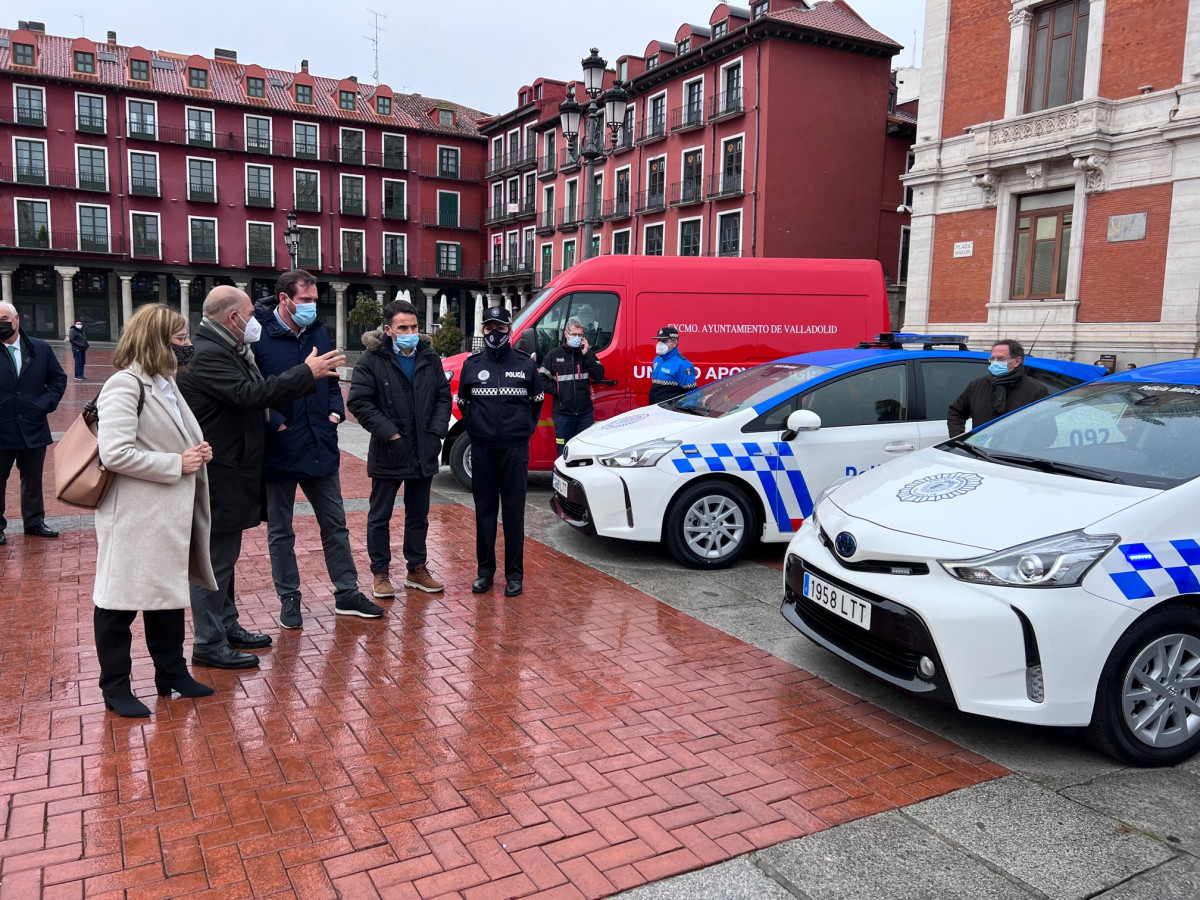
{"points": [[77, 338], [1006, 387], [31, 384], [500, 394], [302, 450], [229, 397], [399, 393], [567, 373]]}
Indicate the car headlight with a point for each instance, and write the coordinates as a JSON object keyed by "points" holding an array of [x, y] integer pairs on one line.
{"points": [[639, 456], [1058, 561]]}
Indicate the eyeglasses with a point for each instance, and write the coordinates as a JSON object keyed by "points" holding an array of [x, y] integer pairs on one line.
{"points": [[1000, 359]]}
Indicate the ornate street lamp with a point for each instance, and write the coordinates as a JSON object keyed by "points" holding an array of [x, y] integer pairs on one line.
{"points": [[291, 237], [572, 116]]}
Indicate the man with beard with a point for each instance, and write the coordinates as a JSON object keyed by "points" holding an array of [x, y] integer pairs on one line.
{"points": [[1006, 387], [500, 395]]}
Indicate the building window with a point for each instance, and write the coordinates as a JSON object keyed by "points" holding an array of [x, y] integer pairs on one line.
{"points": [[654, 240], [346, 100], [139, 70], [308, 249], [651, 62], [304, 94], [93, 229], [1041, 246], [33, 224], [395, 199], [684, 46], [448, 207], [145, 235], [449, 259], [902, 265], [23, 54], [200, 127], [1057, 55], [258, 134], [260, 244], [258, 186], [352, 251], [351, 147], [204, 240], [448, 162], [692, 188], [445, 117], [92, 168], [394, 152], [621, 198], [568, 256], [627, 126], [383, 106], [622, 70], [729, 234], [693, 113], [308, 191], [198, 79], [731, 169], [202, 180], [352, 195], [143, 174], [733, 89], [143, 120], [304, 140], [759, 9], [689, 237], [85, 63], [31, 161], [256, 87], [656, 181], [720, 29], [656, 121], [620, 244], [395, 254], [31, 106], [89, 113]]}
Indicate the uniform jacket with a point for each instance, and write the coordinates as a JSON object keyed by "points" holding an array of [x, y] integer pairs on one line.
{"points": [[671, 376], [308, 446], [78, 338], [27, 401], [501, 400], [975, 402], [152, 529], [228, 398], [567, 373], [386, 403]]}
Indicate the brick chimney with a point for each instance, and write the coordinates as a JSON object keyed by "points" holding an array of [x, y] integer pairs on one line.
{"points": [[112, 37]]}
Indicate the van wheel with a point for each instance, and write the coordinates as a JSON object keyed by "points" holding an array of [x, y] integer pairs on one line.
{"points": [[1147, 709], [460, 460], [710, 525]]}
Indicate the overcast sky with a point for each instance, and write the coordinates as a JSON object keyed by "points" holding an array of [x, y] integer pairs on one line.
{"points": [[475, 52]]}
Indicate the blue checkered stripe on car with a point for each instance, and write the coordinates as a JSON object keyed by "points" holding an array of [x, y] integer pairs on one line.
{"points": [[1156, 569], [773, 466]]}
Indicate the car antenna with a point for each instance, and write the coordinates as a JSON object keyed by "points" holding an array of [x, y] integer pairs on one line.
{"points": [[1029, 352]]}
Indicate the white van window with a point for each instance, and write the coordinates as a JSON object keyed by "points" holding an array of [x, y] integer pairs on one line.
{"points": [[597, 311]]}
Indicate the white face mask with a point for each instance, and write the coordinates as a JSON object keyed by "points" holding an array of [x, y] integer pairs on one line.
{"points": [[661, 348], [253, 330], [574, 340]]}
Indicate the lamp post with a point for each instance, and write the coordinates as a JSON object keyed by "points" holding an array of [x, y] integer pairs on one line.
{"points": [[291, 237], [571, 115]]}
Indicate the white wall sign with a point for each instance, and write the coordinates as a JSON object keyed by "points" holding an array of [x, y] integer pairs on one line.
{"points": [[964, 248], [1130, 227]]}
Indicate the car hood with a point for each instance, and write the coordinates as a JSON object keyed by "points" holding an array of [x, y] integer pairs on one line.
{"points": [[984, 505], [647, 423]]}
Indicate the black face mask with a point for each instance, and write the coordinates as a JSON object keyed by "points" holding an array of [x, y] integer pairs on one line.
{"points": [[496, 339], [6, 330], [184, 354]]}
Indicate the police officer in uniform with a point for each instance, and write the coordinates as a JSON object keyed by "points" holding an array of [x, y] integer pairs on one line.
{"points": [[500, 395], [672, 374]]}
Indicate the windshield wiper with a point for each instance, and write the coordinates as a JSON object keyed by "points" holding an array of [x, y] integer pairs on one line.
{"points": [[1058, 468], [957, 444]]}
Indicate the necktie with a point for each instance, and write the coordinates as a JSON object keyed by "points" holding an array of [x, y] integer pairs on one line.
{"points": [[12, 352]]}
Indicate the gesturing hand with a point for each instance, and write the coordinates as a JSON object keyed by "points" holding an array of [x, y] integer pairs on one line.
{"points": [[325, 365]]}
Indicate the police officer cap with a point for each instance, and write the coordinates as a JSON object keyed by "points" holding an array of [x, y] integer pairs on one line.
{"points": [[666, 333], [496, 314]]}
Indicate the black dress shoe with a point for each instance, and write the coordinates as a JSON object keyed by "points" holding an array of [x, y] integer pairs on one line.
{"points": [[224, 657], [184, 685], [128, 706], [513, 587], [3, 539], [242, 639], [41, 531], [481, 584]]}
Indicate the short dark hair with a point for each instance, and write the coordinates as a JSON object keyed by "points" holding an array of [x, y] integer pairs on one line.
{"points": [[1015, 350], [391, 310], [293, 280]]}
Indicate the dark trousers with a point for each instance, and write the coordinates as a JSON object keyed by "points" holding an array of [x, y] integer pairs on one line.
{"points": [[499, 478], [214, 614], [80, 360], [164, 640], [567, 425], [325, 495], [30, 463], [416, 521]]}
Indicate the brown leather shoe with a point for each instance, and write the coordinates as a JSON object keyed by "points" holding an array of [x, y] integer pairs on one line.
{"points": [[420, 579], [383, 586]]}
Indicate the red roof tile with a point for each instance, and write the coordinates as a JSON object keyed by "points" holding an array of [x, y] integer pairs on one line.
{"points": [[834, 17]]}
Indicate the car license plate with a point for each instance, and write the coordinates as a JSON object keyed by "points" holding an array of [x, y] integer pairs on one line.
{"points": [[559, 483], [842, 603]]}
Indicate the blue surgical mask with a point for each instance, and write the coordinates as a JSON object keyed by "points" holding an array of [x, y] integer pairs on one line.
{"points": [[998, 368], [575, 340], [305, 314], [406, 341]]}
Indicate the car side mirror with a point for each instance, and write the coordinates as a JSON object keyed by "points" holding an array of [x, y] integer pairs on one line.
{"points": [[526, 343], [801, 420]]}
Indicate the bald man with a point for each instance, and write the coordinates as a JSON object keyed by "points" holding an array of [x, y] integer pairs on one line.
{"points": [[230, 397]]}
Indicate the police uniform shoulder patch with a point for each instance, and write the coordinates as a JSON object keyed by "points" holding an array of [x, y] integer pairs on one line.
{"points": [[484, 375]]}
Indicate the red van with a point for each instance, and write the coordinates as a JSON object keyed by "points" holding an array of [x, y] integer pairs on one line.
{"points": [[731, 313]]}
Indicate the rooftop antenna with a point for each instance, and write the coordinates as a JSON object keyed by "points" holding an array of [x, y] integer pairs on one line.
{"points": [[914, 48], [82, 25], [374, 39]]}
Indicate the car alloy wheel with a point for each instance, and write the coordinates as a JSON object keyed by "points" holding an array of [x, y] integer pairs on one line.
{"points": [[710, 525], [1161, 694]]}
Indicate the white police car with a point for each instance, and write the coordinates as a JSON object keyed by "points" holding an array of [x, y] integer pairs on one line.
{"points": [[741, 458], [1044, 568]]}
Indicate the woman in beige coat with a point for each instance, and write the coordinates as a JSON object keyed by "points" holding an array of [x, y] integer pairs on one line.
{"points": [[152, 529]]}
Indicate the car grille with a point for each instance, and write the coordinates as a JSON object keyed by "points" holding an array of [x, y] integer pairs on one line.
{"points": [[575, 510], [875, 566]]}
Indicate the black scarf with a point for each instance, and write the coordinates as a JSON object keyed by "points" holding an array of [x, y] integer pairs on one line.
{"points": [[1001, 384]]}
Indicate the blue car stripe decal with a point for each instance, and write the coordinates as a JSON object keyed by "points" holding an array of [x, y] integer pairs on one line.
{"points": [[1157, 569], [800, 489], [774, 501]]}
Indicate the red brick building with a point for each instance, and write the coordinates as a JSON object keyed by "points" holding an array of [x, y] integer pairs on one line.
{"points": [[766, 131], [1054, 183], [128, 176]]}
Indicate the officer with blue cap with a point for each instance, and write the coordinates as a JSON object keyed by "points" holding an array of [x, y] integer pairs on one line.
{"points": [[672, 374]]}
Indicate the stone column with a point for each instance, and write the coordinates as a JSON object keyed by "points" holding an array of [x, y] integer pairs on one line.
{"points": [[185, 298], [68, 273], [381, 296], [478, 314], [1095, 52], [126, 298], [429, 293], [1018, 56], [933, 70], [339, 293], [1191, 47], [6, 294], [163, 289], [241, 286]]}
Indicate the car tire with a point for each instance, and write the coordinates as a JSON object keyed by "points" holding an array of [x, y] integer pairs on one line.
{"points": [[460, 460], [1159, 649], [710, 525]]}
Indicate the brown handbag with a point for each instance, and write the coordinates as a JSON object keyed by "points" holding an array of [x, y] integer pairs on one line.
{"points": [[80, 479]]}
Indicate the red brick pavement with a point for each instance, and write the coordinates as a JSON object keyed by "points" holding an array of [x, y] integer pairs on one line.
{"points": [[572, 742]]}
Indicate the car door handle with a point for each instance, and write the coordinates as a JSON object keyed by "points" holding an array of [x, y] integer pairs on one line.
{"points": [[899, 446]]}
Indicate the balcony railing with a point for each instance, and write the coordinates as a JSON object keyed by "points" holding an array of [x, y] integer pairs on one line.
{"points": [[388, 159], [725, 185], [254, 143], [395, 211], [143, 130], [614, 208], [145, 250], [568, 218], [568, 161], [257, 256], [624, 140], [264, 199], [92, 183], [543, 277], [89, 124], [395, 265], [306, 150], [685, 117], [651, 200], [204, 252], [307, 202], [440, 270], [521, 156], [433, 218], [517, 267], [28, 173], [547, 165], [41, 239], [433, 169], [652, 128], [495, 214], [202, 194], [350, 156], [37, 173], [354, 262], [93, 243], [688, 191], [727, 103], [200, 137], [353, 206], [545, 222], [31, 115], [143, 187], [308, 261]]}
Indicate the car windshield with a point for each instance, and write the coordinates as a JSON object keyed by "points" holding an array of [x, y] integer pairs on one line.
{"points": [[1138, 434], [745, 390]]}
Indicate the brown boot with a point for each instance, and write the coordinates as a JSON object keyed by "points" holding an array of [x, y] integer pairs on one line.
{"points": [[383, 586], [420, 579]]}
